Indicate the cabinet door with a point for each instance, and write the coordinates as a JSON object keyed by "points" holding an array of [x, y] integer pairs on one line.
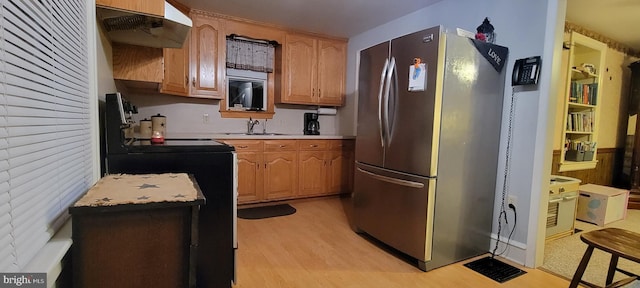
{"points": [[331, 72], [207, 57], [338, 172], [312, 173], [250, 177], [299, 70], [280, 175], [176, 70]]}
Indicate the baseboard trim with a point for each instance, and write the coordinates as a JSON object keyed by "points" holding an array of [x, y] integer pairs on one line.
{"points": [[515, 251]]}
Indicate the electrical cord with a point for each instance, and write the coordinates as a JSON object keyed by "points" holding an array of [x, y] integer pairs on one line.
{"points": [[503, 211], [515, 222]]}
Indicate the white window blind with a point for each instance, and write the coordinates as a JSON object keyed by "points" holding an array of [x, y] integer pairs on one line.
{"points": [[45, 126]]}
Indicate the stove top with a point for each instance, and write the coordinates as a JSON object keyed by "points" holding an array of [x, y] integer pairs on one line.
{"points": [[177, 145]]}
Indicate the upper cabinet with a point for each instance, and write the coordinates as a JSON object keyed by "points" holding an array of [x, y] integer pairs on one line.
{"points": [[207, 56], [582, 101], [313, 71], [309, 69], [196, 69], [152, 7]]}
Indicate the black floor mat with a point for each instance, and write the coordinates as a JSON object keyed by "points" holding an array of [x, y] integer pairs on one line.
{"points": [[266, 211], [494, 269]]}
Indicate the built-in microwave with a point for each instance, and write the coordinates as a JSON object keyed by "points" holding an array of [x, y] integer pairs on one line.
{"points": [[246, 90]]}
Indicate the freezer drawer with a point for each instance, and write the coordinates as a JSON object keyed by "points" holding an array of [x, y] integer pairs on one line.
{"points": [[395, 208]]}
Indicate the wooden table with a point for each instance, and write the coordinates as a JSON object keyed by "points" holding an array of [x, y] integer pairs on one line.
{"points": [[137, 231], [618, 242]]}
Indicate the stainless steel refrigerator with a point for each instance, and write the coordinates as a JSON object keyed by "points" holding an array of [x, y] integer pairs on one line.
{"points": [[428, 134]]}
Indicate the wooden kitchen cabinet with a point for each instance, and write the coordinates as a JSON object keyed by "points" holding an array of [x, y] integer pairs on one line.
{"points": [[341, 164], [176, 70], [197, 68], [250, 170], [325, 167], [152, 7], [267, 169], [314, 71], [280, 169], [137, 63]]}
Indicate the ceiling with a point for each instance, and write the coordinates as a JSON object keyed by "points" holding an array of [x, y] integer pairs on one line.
{"points": [[344, 18], [612, 18]]}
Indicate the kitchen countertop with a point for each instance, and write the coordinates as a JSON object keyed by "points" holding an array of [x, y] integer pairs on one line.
{"points": [[224, 136]]}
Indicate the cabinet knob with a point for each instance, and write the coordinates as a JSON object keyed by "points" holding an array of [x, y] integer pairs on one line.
{"points": [[186, 80], [243, 146], [193, 83], [314, 146], [283, 146], [561, 189]]}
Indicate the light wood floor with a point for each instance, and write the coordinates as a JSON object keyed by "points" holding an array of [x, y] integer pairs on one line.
{"points": [[315, 247]]}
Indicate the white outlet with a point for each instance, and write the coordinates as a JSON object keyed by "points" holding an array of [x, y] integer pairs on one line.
{"points": [[205, 118], [512, 200]]}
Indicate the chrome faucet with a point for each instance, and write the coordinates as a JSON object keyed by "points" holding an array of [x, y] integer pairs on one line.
{"points": [[250, 125]]}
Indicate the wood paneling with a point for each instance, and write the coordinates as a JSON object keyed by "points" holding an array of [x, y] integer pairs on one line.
{"points": [[606, 173]]}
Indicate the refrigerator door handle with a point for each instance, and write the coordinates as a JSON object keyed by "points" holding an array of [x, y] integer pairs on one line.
{"points": [[387, 91], [393, 180], [383, 75]]}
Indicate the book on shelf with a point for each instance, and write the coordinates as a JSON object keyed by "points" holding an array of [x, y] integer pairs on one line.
{"points": [[583, 93], [580, 121]]}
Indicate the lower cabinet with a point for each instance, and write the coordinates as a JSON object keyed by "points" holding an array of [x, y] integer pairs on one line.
{"points": [[270, 170], [280, 169], [325, 167], [250, 169]]}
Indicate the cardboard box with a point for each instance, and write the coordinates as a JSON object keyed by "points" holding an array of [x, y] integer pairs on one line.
{"points": [[602, 205]]}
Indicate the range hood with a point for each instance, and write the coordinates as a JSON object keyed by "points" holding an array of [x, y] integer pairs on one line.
{"points": [[142, 29]]}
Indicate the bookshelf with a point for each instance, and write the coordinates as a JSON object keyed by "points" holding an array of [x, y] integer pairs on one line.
{"points": [[582, 103]]}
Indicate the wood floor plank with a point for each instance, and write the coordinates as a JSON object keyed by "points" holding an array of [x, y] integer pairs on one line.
{"points": [[316, 247]]}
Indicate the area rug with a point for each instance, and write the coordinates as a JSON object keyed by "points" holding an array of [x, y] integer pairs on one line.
{"points": [[266, 211], [562, 256]]}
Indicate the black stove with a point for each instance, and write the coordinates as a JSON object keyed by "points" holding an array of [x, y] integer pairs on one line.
{"points": [[212, 165]]}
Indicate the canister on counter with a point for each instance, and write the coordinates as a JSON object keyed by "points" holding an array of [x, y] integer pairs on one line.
{"points": [[159, 124], [145, 128]]}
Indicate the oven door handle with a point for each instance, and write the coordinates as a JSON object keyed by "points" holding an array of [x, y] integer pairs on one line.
{"points": [[555, 200], [570, 197]]}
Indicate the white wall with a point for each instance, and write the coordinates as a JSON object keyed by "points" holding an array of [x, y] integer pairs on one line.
{"points": [[185, 115], [527, 28]]}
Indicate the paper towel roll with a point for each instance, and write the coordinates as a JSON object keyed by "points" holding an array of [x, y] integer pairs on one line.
{"points": [[327, 111]]}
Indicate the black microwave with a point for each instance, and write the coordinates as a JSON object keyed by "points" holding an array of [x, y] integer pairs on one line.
{"points": [[246, 90]]}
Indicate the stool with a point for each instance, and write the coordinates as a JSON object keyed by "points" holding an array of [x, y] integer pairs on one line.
{"points": [[618, 242]]}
